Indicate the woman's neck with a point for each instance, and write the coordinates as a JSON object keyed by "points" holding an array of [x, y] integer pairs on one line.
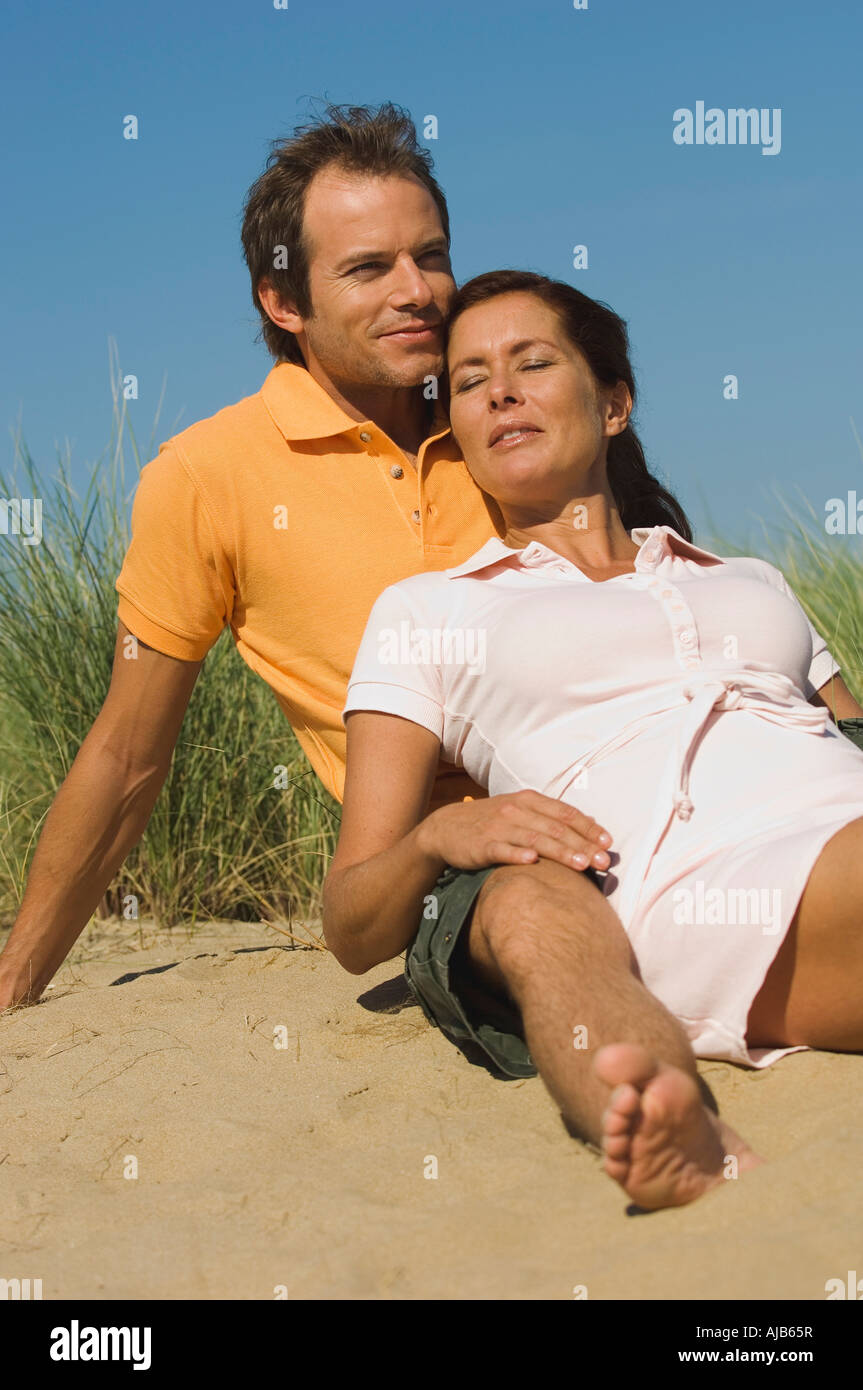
{"points": [[588, 531]]}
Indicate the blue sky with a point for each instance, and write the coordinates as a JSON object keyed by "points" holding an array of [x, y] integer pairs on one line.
{"points": [[555, 129]]}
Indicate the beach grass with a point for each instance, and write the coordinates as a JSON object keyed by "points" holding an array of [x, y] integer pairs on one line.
{"points": [[224, 841]]}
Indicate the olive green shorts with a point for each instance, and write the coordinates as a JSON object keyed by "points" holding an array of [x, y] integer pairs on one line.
{"points": [[853, 729], [438, 970]]}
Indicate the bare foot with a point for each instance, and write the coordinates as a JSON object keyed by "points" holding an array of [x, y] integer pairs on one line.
{"points": [[660, 1141]]}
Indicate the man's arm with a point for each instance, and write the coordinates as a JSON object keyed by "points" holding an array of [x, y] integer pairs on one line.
{"points": [[837, 698], [98, 815], [844, 710]]}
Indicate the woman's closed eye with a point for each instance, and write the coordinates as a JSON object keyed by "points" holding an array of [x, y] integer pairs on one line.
{"points": [[475, 380]]}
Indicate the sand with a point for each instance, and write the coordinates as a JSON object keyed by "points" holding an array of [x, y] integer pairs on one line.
{"points": [[299, 1169]]}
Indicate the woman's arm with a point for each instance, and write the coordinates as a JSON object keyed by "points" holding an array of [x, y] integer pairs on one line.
{"points": [[379, 874], [390, 851], [837, 698]]}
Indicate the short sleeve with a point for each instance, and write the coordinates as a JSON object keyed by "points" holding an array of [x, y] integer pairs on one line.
{"points": [[176, 586], [823, 664], [395, 670]]}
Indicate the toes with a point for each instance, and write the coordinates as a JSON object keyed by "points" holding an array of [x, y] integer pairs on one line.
{"points": [[617, 1169], [614, 1123], [624, 1106], [624, 1100], [616, 1146], [618, 1123]]}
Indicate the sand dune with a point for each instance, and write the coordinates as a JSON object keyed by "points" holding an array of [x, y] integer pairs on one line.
{"points": [[301, 1166]]}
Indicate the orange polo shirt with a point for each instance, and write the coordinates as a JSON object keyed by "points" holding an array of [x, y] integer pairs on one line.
{"points": [[285, 519]]}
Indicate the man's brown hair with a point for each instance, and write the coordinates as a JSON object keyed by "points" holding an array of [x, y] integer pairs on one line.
{"points": [[361, 139]]}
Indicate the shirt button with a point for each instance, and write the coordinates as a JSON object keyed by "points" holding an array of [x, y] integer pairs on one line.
{"points": [[415, 515], [365, 436], [397, 471], [687, 637]]}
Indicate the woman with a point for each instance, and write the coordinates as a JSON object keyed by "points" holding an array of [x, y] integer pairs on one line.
{"points": [[594, 657]]}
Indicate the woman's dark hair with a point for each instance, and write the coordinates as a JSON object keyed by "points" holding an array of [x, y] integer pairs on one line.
{"points": [[601, 336]]}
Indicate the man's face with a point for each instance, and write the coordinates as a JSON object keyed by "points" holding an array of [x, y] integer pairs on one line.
{"points": [[379, 271]]}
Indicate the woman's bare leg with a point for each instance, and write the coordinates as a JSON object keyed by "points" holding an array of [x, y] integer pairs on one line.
{"points": [[813, 991]]}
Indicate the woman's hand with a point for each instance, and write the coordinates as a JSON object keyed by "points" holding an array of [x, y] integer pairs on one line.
{"points": [[516, 828]]}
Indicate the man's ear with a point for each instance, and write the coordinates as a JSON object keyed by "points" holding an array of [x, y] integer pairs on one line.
{"points": [[282, 311]]}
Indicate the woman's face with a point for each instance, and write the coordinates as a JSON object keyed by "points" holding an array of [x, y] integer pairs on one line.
{"points": [[527, 412]]}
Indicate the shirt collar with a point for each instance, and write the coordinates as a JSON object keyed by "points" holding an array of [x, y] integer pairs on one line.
{"points": [[655, 542], [301, 409]]}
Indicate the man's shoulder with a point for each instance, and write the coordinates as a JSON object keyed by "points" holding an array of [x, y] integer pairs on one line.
{"points": [[219, 436]]}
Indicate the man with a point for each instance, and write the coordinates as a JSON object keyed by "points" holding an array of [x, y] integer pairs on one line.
{"points": [[285, 515]]}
